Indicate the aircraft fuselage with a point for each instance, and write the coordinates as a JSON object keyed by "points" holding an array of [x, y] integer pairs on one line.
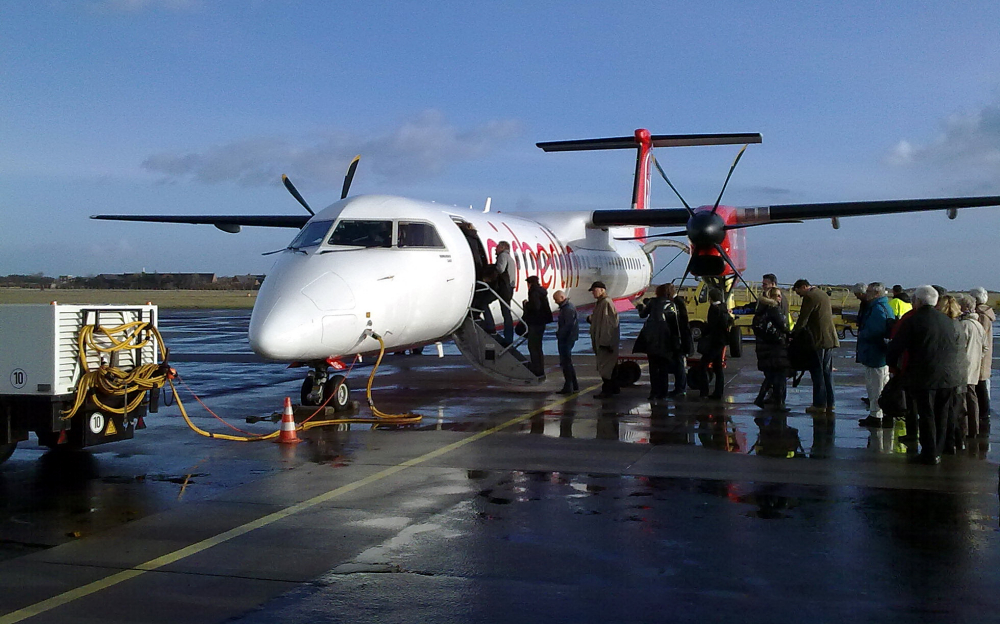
{"points": [[407, 269]]}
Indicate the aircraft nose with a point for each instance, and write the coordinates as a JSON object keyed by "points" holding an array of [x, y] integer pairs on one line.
{"points": [[286, 329], [310, 322]]}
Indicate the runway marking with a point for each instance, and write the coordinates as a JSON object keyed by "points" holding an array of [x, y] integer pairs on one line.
{"points": [[154, 564]]}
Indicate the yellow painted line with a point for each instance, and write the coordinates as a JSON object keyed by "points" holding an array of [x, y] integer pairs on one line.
{"points": [[153, 564]]}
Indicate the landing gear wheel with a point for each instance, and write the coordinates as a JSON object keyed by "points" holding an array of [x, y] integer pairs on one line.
{"points": [[627, 373], [6, 450], [307, 386], [341, 393]]}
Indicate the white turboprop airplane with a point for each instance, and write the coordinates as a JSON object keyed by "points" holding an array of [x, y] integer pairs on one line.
{"points": [[406, 271]]}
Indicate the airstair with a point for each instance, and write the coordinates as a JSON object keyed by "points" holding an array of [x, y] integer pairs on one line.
{"points": [[487, 351]]}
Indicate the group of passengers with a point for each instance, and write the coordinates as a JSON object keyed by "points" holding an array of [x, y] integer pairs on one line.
{"points": [[927, 361], [941, 352], [938, 349]]}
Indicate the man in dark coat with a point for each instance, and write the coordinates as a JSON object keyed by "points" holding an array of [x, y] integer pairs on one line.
{"points": [[659, 339], [566, 334], [934, 369], [537, 314], [713, 341], [678, 360], [816, 318]]}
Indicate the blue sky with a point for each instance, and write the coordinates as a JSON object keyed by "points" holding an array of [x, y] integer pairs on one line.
{"points": [[192, 106]]}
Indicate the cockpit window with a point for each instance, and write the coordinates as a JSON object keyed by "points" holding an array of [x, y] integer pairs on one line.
{"points": [[362, 233], [413, 234], [311, 235]]}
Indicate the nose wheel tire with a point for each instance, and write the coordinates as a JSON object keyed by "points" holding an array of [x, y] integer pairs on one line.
{"points": [[336, 386]]}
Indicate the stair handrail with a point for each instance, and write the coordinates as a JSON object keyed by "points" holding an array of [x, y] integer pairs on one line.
{"points": [[518, 340]]}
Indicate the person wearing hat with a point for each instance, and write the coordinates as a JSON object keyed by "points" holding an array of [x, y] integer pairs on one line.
{"points": [[604, 338], [537, 314]]}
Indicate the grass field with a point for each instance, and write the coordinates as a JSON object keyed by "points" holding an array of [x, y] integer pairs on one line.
{"points": [[167, 299]]}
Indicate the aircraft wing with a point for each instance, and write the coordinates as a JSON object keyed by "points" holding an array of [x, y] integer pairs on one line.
{"points": [[673, 217], [226, 223]]}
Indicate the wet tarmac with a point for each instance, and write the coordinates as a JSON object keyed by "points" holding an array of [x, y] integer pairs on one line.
{"points": [[503, 505]]}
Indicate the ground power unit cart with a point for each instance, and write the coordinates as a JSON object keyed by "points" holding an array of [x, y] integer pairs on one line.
{"points": [[77, 375]]}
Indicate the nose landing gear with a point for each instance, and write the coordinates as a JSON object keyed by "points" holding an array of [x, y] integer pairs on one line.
{"points": [[319, 388]]}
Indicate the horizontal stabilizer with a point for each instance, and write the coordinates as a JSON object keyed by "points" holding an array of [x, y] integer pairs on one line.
{"points": [[220, 221], [658, 140]]}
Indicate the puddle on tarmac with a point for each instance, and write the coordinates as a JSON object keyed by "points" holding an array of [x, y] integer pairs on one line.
{"points": [[632, 499]]}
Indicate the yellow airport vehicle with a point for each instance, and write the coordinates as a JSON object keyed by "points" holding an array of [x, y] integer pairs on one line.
{"points": [[742, 302]]}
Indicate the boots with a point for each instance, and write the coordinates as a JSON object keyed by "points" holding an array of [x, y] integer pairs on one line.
{"points": [[759, 401]]}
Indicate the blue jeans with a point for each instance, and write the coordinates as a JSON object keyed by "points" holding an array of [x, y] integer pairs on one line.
{"points": [[822, 378]]}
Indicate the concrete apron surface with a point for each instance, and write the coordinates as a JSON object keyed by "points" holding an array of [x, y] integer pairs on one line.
{"points": [[506, 505]]}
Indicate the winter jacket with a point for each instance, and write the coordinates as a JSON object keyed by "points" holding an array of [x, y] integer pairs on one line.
{"points": [[771, 332], [932, 344], [900, 306], [660, 334], [986, 318], [568, 330], [974, 346], [536, 309], [604, 325], [874, 325], [715, 333], [816, 317]]}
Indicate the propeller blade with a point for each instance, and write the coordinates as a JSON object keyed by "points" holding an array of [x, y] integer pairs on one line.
{"points": [[295, 193], [740, 226], [729, 261], [350, 176], [667, 180], [726, 183]]}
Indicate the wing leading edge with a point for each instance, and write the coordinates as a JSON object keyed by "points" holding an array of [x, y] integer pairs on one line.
{"points": [[672, 217], [226, 223]]}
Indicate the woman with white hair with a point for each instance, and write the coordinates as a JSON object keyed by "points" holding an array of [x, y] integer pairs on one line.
{"points": [[986, 318], [974, 343]]}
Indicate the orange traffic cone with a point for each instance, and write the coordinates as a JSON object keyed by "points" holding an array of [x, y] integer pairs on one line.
{"points": [[288, 435]]}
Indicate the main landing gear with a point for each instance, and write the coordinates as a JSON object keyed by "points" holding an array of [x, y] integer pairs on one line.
{"points": [[319, 388]]}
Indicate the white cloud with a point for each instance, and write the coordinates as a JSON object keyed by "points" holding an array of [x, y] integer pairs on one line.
{"points": [[421, 147], [969, 142]]}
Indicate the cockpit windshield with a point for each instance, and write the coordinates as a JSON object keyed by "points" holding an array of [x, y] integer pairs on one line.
{"points": [[311, 235], [362, 233]]}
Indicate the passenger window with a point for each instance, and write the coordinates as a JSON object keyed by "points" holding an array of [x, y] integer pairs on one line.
{"points": [[362, 233], [413, 234]]}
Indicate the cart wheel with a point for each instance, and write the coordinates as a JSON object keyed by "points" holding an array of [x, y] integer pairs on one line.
{"points": [[6, 450], [696, 329], [627, 373], [735, 342]]}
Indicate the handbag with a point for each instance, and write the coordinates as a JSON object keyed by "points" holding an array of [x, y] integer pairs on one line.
{"points": [[893, 397], [802, 352]]}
